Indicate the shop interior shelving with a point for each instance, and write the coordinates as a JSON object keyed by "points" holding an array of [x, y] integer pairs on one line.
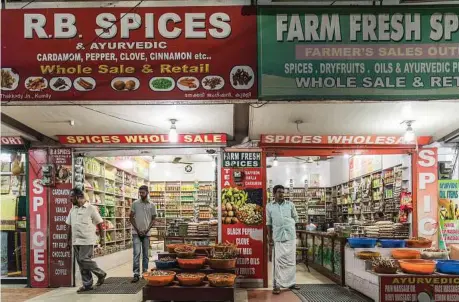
{"points": [[361, 198], [317, 203], [184, 207], [298, 196], [112, 190]]}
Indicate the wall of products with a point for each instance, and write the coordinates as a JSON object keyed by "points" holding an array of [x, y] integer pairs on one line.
{"points": [[112, 190], [357, 200], [13, 210]]}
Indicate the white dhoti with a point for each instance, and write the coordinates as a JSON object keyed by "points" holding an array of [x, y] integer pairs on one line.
{"points": [[284, 264]]}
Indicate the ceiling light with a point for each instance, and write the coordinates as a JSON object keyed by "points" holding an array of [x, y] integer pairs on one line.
{"points": [[346, 155], [409, 136], [275, 162], [173, 136], [310, 160]]}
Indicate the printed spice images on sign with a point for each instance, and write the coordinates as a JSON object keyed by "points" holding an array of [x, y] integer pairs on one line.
{"points": [[242, 210], [358, 53], [159, 53]]}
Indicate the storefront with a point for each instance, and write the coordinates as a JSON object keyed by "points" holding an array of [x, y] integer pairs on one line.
{"points": [[340, 181], [182, 178], [14, 205]]}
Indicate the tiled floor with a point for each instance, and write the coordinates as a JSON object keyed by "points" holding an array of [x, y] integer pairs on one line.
{"points": [[242, 295], [17, 293]]}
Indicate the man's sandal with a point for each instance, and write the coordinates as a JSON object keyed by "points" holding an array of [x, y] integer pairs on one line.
{"points": [[294, 287], [276, 291], [84, 289]]}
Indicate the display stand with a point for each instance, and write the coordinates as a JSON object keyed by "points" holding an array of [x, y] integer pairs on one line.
{"points": [[176, 292]]}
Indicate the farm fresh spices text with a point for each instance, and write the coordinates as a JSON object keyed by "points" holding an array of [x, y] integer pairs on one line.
{"points": [[361, 54], [114, 54]]}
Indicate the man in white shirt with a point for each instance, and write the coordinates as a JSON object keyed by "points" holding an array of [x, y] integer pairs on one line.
{"points": [[82, 221]]}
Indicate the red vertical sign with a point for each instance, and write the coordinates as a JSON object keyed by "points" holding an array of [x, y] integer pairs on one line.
{"points": [[427, 194], [243, 211], [38, 209], [60, 259]]}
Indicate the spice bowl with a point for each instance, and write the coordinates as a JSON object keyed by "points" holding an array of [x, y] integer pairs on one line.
{"points": [[222, 263], [165, 264], [159, 277], [196, 263], [185, 252], [384, 270], [417, 266], [401, 254], [194, 279], [221, 280], [418, 243]]}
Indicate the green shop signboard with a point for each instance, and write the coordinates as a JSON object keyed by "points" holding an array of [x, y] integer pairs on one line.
{"points": [[358, 53]]}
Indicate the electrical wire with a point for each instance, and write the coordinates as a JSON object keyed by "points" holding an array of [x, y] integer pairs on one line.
{"points": [[259, 106], [28, 3]]}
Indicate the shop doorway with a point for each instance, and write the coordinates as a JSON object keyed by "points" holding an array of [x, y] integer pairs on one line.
{"points": [[182, 183], [338, 193]]}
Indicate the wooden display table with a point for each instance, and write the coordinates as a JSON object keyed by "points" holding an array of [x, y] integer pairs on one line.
{"points": [[176, 292]]}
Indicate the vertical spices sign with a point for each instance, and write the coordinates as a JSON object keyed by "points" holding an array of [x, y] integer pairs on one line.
{"points": [[38, 216], [427, 193], [242, 212], [60, 258]]}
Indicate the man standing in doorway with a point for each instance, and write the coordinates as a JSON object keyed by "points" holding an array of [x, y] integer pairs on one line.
{"points": [[281, 220], [82, 221], [142, 217]]}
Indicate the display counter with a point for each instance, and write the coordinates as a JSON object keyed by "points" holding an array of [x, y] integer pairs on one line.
{"points": [[397, 287], [325, 253]]}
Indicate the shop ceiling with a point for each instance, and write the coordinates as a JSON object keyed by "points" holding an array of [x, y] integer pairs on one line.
{"points": [[433, 118]]}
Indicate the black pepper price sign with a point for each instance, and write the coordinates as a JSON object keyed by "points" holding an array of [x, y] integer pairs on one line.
{"points": [[60, 258], [242, 159]]}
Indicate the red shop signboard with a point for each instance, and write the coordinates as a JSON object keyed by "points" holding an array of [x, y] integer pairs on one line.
{"points": [[438, 288], [155, 53], [243, 210], [38, 221], [60, 258]]}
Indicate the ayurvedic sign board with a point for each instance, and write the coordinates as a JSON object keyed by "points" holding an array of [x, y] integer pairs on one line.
{"points": [[161, 53], [358, 53]]}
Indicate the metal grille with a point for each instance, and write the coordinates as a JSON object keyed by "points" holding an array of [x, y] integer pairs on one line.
{"points": [[117, 286], [328, 293]]}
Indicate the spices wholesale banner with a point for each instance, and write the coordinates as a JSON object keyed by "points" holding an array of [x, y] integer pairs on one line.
{"points": [[358, 53], [152, 54]]}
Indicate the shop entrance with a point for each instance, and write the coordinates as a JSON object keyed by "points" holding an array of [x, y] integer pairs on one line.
{"points": [[182, 184], [338, 192]]}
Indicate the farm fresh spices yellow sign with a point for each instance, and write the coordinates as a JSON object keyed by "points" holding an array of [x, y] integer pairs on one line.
{"points": [[358, 53]]}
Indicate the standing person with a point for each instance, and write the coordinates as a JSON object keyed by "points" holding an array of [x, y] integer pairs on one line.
{"points": [[142, 217], [281, 220], [82, 221]]}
